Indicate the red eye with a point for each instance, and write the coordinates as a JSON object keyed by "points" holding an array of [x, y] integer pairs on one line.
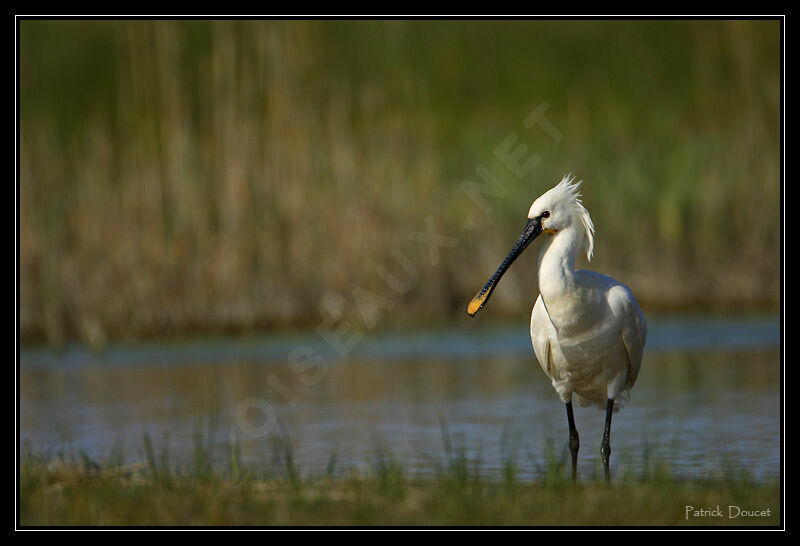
{"points": [[546, 214]]}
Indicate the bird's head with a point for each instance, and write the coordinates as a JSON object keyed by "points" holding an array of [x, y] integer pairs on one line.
{"points": [[557, 209], [560, 207]]}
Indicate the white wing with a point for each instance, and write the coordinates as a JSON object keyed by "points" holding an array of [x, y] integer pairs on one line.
{"points": [[634, 328]]}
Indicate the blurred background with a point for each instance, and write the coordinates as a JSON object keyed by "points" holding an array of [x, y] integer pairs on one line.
{"points": [[216, 212], [180, 177]]}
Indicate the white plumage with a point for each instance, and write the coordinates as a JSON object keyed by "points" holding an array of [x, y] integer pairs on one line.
{"points": [[587, 329]]}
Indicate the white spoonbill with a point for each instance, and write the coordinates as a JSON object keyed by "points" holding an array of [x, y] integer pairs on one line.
{"points": [[587, 329]]}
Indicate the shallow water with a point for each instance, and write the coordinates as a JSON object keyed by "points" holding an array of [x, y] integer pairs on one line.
{"points": [[707, 400]]}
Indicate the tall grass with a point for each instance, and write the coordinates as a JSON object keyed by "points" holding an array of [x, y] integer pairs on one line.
{"points": [[183, 176], [62, 490]]}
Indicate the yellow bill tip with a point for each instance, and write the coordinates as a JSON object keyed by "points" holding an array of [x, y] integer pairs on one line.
{"points": [[475, 304]]}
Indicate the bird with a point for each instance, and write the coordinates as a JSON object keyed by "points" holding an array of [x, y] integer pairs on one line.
{"points": [[587, 329]]}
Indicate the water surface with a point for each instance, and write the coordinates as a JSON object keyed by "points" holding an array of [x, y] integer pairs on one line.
{"points": [[707, 400]]}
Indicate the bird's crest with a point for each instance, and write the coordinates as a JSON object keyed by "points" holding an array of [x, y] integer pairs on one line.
{"points": [[568, 191]]}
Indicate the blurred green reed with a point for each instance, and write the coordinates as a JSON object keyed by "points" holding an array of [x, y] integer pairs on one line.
{"points": [[61, 489], [186, 176]]}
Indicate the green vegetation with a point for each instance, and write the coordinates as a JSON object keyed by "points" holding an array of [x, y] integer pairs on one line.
{"points": [[185, 176], [53, 492]]}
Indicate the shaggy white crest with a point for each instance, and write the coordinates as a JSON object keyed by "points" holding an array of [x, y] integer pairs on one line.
{"points": [[566, 196]]}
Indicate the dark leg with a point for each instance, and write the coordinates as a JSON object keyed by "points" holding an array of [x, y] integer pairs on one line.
{"points": [[574, 442], [605, 447]]}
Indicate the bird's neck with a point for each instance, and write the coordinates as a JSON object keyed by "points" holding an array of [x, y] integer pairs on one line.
{"points": [[557, 263]]}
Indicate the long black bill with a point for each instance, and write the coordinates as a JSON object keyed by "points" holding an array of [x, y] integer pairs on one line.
{"points": [[532, 229]]}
